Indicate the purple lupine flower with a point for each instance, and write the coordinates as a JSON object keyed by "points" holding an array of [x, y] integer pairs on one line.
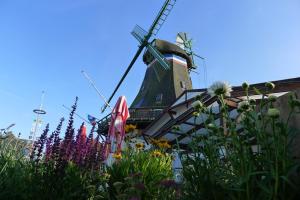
{"points": [[65, 151], [56, 143], [69, 144], [41, 143], [49, 145], [33, 152]]}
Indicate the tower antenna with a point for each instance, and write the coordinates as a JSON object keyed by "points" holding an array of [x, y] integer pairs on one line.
{"points": [[96, 89], [38, 121]]}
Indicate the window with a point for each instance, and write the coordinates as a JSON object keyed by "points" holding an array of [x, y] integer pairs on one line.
{"points": [[182, 85], [158, 99]]}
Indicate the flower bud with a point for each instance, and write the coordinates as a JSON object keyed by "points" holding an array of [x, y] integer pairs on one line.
{"points": [[197, 105], [273, 113], [272, 98], [270, 85], [245, 86]]}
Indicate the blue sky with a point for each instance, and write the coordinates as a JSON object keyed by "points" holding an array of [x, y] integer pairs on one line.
{"points": [[45, 44]]}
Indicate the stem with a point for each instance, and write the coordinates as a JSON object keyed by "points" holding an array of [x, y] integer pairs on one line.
{"points": [[276, 159]]}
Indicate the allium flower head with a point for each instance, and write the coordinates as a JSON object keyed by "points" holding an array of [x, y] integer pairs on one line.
{"points": [[273, 112], [244, 106], [272, 98], [197, 105], [245, 86], [219, 88], [270, 85]]}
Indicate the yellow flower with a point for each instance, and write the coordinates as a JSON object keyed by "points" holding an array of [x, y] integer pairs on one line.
{"points": [[139, 145], [163, 143], [117, 156], [154, 141], [157, 153], [130, 128]]}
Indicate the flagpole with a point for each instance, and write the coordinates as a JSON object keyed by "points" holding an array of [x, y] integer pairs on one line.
{"points": [[98, 92]]}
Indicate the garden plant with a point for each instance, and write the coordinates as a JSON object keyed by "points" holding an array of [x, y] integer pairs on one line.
{"points": [[246, 155], [243, 157]]}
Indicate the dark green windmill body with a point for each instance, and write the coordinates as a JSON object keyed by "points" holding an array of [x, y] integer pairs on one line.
{"points": [[161, 87]]}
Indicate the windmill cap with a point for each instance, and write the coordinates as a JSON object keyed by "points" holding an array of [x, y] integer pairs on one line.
{"points": [[166, 47]]}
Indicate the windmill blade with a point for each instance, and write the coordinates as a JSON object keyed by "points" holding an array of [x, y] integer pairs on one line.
{"points": [[143, 39], [161, 17], [179, 41], [182, 36], [160, 58], [198, 56], [139, 33]]}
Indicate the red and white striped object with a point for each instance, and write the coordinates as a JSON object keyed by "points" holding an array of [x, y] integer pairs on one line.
{"points": [[116, 132]]}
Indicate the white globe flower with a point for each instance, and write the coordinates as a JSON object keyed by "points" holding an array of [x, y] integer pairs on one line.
{"points": [[244, 106], [220, 88]]}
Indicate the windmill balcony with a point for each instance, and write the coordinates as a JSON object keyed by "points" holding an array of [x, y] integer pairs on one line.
{"points": [[138, 116]]}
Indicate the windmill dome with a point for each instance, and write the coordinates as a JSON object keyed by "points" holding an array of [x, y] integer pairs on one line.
{"points": [[166, 47]]}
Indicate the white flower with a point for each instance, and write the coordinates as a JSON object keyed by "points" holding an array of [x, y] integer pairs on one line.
{"points": [[220, 88], [270, 85], [197, 104], [245, 86], [244, 106]]}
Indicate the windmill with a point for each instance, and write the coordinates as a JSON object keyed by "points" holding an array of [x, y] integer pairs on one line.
{"points": [[186, 43], [143, 38]]}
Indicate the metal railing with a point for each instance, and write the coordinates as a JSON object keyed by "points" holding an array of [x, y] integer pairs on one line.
{"points": [[136, 115]]}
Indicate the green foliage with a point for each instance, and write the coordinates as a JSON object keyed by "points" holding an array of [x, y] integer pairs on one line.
{"points": [[139, 174], [247, 157], [21, 179]]}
